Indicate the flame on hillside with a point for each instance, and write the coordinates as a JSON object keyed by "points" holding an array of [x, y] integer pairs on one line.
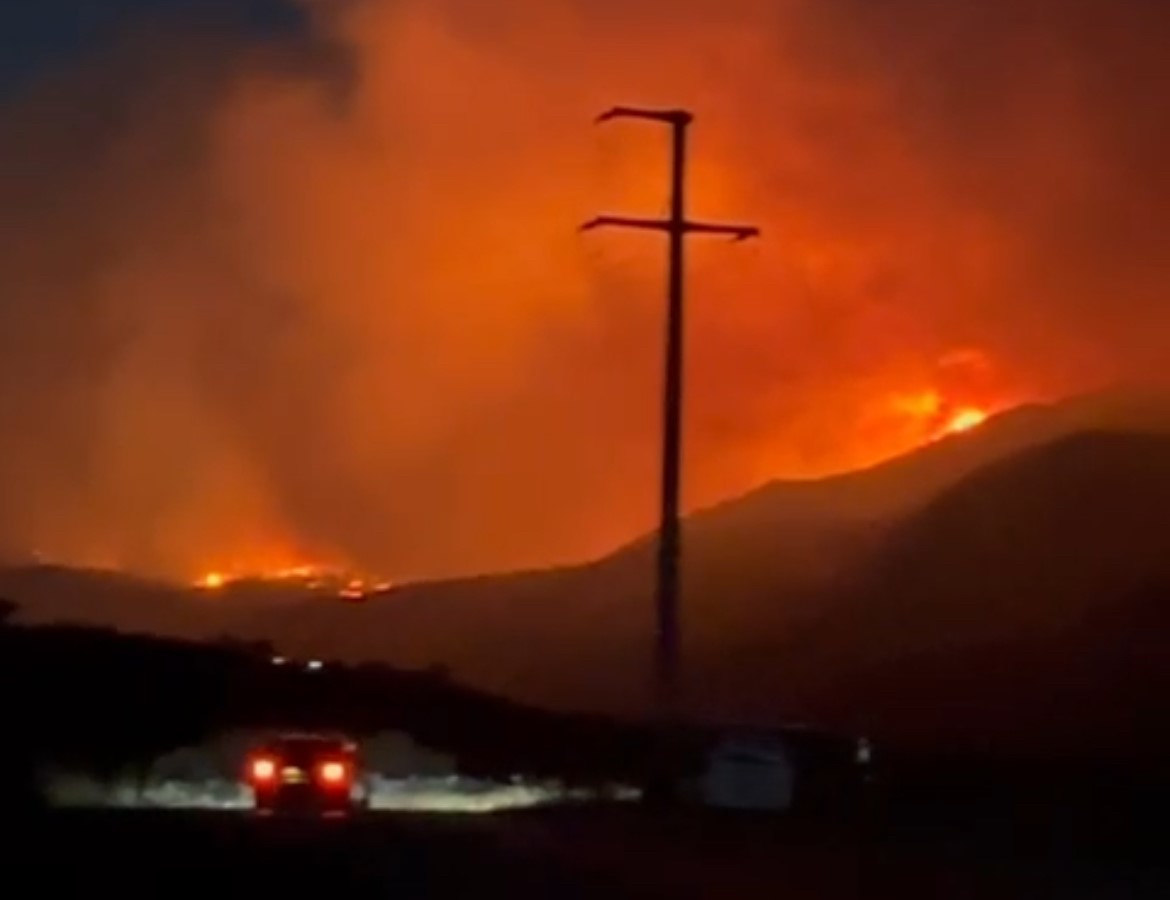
{"points": [[327, 580], [965, 419], [929, 416], [212, 581]]}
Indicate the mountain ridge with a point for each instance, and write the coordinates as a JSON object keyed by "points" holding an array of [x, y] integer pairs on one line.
{"points": [[790, 609]]}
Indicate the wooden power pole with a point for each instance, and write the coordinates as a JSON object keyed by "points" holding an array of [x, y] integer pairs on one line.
{"points": [[676, 227]]}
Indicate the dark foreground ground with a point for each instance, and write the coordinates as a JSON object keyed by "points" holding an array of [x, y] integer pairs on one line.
{"points": [[610, 853]]}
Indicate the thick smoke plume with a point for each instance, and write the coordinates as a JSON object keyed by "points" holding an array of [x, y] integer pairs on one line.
{"points": [[323, 298]]}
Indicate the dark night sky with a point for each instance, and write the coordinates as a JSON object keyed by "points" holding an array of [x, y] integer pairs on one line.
{"points": [[40, 34]]}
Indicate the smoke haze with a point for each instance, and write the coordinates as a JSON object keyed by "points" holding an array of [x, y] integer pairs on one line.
{"points": [[322, 296]]}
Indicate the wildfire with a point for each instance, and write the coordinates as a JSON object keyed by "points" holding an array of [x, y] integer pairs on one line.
{"points": [[931, 416], [298, 573], [216, 579], [965, 419], [332, 581], [357, 589], [922, 405]]}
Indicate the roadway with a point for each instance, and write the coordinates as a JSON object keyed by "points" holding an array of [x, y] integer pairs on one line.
{"points": [[549, 854], [163, 852]]}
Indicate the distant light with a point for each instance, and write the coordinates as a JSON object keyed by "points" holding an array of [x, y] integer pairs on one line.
{"points": [[864, 752], [278, 660], [314, 665]]}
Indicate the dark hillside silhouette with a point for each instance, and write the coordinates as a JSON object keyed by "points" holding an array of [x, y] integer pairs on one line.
{"points": [[109, 704], [1025, 610]]}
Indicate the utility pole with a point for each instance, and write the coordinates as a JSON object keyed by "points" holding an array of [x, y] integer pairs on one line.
{"points": [[676, 227]]}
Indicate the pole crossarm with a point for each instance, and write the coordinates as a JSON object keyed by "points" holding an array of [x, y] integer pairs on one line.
{"points": [[671, 116], [736, 232], [627, 222]]}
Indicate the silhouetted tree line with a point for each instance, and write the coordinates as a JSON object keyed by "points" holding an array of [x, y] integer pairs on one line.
{"points": [[109, 703]]}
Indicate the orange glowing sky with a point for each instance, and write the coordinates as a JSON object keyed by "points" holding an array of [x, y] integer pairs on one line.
{"points": [[323, 299]]}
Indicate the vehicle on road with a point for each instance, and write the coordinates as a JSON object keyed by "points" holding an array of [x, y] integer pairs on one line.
{"points": [[307, 774]]}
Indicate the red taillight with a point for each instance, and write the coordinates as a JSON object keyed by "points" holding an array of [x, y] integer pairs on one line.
{"points": [[333, 773], [263, 769]]}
